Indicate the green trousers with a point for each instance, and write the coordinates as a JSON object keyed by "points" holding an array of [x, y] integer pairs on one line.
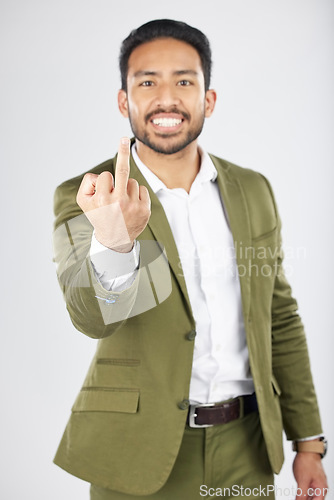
{"points": [[228, 460]]}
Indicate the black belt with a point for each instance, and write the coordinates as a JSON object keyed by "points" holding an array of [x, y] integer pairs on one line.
{"points": [[207, 415]]}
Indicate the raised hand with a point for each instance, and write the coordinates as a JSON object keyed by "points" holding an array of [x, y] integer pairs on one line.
{"points": [[118, 211]]}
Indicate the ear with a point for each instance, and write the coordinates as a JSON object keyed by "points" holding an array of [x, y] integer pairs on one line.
{"points": [[123, 103], [210, 102]]}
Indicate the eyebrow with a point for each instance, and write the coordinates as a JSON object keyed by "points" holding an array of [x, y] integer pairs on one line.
{"points": [[180, 72]]}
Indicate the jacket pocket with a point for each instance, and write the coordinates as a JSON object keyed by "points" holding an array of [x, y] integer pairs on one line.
{"points": [[107, 400], [264, 236], [275, 385]]}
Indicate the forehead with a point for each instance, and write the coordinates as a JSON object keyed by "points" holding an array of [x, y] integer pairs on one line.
{"points": [[164, 54]]}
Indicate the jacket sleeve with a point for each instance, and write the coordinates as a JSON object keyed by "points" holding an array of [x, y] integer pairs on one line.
{"points": [[290, 359], [94, 311]]}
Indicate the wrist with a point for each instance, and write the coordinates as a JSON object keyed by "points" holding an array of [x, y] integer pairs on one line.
{"points": [[123, 248], [114, 245]]}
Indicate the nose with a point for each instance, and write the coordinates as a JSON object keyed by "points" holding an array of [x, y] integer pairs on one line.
{"points": [[167, 96]]}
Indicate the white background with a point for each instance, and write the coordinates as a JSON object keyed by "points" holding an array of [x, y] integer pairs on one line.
{"points": [[273, 71]]}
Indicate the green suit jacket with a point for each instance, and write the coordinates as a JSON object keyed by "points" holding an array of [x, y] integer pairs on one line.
{"points": [[128, 420]]}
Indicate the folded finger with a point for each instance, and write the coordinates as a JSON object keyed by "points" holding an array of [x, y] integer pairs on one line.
{"points": [[133, 188], [144, 195], [104, 183], [87, 186]]}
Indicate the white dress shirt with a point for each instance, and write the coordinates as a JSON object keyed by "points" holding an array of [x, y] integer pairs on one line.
{"points": [[207, 259]]}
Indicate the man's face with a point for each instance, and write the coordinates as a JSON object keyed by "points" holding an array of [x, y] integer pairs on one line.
{"points": [[166, 101]]}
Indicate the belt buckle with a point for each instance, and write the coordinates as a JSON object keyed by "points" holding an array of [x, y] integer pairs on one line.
{"points": [[193, 415]]}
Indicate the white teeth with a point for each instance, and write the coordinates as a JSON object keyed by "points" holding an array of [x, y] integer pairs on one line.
{"points": [[166, 122]]}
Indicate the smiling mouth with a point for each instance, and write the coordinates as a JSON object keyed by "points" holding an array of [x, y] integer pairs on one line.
{"points": [[167, 122]]}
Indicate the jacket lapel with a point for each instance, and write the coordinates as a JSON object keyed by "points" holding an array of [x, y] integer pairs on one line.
{"points": [[159, 227], [236, 211]]}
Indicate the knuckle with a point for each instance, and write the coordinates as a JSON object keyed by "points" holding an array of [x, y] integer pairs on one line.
{"points": [[105, 174], [88, 178], [122, 170], [123, 203], [104, 179], [102, 198], [142, 211], [132, 183]]}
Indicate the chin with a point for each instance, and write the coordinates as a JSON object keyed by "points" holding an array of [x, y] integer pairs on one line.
{"points": [[167, 145]]}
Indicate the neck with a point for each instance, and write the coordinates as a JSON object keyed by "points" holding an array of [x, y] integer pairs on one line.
{"points": [[175, 171]]}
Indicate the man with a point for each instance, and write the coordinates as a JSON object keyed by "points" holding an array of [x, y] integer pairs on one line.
{"points": [[202, 359]]}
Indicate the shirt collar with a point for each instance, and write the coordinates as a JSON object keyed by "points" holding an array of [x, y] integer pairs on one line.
{"points": [[207, 171]]}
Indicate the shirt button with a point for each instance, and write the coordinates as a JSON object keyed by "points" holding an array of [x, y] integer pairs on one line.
{"points": [[184, 405], [191, 335]]}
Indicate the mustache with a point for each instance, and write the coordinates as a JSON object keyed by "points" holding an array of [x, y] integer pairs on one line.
{"points": [[170, 110]]}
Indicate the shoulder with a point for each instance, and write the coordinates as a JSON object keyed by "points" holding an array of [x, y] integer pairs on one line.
{"points": [[251, 181], [246, 176]]}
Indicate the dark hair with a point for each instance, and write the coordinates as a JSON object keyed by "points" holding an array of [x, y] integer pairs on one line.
{"points": [[166, 28]]}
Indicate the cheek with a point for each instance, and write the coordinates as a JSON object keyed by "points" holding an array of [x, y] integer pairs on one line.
{"points": [[195, 102], [134, 107], [200, 109]]}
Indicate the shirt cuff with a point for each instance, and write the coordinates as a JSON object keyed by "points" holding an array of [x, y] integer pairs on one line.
{"points": [[114, 270], [310, 438]]}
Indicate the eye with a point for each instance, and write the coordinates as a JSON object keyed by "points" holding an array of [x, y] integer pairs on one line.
{"points": [[184, 83], [147, 83]]}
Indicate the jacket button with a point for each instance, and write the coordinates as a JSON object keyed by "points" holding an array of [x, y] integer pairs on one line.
{"points": [[191, 335], [184, 405]]}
